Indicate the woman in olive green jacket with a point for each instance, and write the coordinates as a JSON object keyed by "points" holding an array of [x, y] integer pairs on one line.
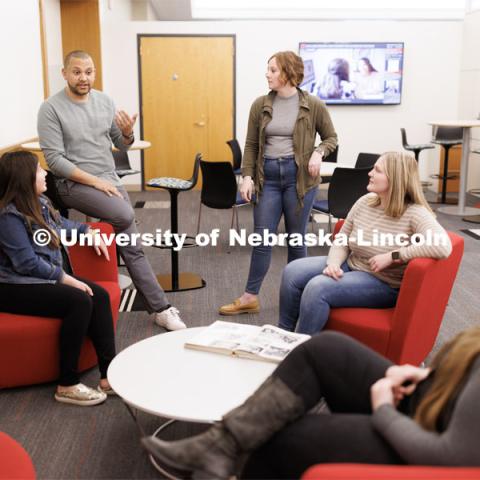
{"points": [[283, 164]]}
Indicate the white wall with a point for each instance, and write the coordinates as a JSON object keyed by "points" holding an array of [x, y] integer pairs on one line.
{"points": [[431, 81], [116, 14], [469, 104], [21, 80], [53, 34]]}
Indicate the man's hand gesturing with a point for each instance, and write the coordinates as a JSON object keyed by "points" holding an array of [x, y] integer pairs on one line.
{"points": [[125, 123]]}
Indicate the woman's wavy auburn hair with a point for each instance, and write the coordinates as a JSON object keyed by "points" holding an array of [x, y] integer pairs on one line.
{"points": [[291, 67], [452, 365], [404, 186]]}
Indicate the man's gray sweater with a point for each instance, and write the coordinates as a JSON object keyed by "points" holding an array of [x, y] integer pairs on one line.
{"points": [[76, 134]]}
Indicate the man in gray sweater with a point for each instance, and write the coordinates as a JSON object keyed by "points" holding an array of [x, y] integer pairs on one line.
{"points": [[76, 128]]}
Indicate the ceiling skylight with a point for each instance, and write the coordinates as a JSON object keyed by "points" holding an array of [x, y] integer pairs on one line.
{"points": [[328, 9]]}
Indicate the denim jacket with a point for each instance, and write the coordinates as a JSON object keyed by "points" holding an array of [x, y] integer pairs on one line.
{"points": [[21, 259]]}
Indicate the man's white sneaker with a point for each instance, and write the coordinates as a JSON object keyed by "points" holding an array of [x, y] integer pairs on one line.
{"points": [[169, 319]]}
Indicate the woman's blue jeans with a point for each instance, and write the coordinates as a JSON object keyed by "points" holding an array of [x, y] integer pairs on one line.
{"points": [[306, 295], [279, 196]]}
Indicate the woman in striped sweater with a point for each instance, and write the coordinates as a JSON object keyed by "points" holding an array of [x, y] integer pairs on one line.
{"points": [[383, 231]]}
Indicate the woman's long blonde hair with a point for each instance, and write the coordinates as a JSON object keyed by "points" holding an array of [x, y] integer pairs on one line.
{"points": [[404, 186], [451, 364]]}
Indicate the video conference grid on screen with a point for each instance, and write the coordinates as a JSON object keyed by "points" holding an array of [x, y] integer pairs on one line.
{"points": [[353, 73]]}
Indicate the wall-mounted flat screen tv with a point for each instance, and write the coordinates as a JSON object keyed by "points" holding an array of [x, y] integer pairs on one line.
{"points": [[353, 73]]}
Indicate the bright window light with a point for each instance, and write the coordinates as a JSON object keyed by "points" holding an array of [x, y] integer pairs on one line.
{"points": [[474, 5], [321, 9]]}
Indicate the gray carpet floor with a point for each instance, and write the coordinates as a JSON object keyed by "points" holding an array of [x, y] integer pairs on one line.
{"points": [[67, 442]]}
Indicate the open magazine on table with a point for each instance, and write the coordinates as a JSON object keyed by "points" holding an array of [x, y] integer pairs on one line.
{"points": [[267, 343]]}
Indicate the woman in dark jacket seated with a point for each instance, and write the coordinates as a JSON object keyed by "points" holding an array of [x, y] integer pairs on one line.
{"points": [[380, 413], [33, 282]]}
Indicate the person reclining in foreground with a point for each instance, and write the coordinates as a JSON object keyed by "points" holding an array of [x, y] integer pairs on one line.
{"points": [[361, 275], [33, 282], [381, 414]]}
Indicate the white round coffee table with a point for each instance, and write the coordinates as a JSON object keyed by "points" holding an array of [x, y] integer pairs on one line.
{"points": [[161, 377]]}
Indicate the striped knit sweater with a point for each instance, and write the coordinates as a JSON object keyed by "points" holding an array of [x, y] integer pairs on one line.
{"points": [[364, 227]]}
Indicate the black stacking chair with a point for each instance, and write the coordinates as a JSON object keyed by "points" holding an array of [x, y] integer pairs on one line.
{"points": [[365, 160], [178, 281], [54, 197], [447, 137], [122, 164], [52, 194], [219, 189], [237, 156], [346, 187], [122, 169], [415, 148], [332, 157], [473, 191]]}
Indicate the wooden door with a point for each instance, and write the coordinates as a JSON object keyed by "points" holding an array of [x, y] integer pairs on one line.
{"points": [[187, 101]]}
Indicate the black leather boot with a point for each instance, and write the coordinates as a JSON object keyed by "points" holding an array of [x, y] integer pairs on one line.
{"points": [[214, 454]]}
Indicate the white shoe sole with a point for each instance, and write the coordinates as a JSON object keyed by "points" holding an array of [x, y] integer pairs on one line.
{"points": [[80, 403], [169, 327]]}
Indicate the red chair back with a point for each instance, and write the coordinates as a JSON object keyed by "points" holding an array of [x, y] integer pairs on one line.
{"points": [[349, 471], [84, 259], [15, 463], [407, 332]]}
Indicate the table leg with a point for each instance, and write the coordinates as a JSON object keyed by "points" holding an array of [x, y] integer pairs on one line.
{"points": [[158, 467], [177, 282], [174, 229], [168, 473], [461, 209]]}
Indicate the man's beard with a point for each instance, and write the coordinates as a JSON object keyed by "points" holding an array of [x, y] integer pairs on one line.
{"points": [[75, 91]]}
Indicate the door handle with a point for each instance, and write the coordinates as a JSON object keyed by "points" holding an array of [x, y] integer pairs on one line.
{"points": [[200, 123]]}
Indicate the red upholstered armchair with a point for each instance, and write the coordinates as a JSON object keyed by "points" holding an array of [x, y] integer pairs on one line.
{"points": [[15, 462], [353, 471], [405, 333], [29, 345]]}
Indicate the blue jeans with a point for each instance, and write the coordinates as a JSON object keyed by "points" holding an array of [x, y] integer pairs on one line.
{"points": [[306, 295], [279, 196]]}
